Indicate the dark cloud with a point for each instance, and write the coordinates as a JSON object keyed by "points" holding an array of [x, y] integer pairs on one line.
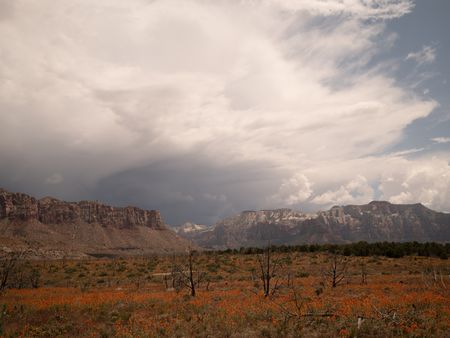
{"points": [[191, 188], [6, 9]]}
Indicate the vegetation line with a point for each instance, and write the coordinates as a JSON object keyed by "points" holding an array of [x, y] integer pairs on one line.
{"points": [[361, 249]]}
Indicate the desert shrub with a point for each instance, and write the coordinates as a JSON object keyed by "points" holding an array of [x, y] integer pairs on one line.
{"points": [[302, 274], [121, 268], [212, 267], [70, 270]]}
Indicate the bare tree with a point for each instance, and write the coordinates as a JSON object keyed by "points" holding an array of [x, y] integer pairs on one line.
{"points": [[269, 267], [363, 272], [295, 307], [337, 269], [8, 266], [186, 275]]}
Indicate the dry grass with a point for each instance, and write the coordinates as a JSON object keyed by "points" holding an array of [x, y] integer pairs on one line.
{"points": [[403, 297]]}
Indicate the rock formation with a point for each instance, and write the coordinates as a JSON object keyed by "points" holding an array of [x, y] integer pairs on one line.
{"points": [[373, 222], [84, 227], [48, 210]]}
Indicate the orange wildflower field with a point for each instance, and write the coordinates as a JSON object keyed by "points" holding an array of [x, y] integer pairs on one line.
{"points": [[135, 297]]}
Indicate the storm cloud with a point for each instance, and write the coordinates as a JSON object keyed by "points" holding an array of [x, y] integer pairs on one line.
{"points": [[205, 108]]}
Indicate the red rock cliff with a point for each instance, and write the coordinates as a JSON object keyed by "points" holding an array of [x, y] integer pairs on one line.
{"points": [[18, 206]]}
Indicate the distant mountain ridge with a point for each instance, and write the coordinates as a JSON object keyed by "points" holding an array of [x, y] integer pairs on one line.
{"points": [[373, 222], [54, 227]]}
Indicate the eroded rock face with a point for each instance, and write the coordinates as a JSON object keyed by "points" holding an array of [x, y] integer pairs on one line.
{"points": [[251, 228], [49, 228], [373, 222], [21, 207], [18, 206], [384, 221]]}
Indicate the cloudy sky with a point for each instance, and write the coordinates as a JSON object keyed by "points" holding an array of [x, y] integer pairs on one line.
{"points": [[205, 108]]}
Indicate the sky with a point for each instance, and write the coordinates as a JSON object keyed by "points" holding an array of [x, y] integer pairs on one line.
{"points": [[202, 109]]}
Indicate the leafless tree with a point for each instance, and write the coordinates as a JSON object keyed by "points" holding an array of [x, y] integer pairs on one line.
{"points": [[363, 272], [185, 275], [337, 269], [295, 307], [269, 273], [8, 267]]}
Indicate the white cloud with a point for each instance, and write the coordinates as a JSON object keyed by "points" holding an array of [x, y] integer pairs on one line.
{"points": [[426, 55], [357, 191], [92, 89], [426, 181], [293, 191], [407, 152], [441, 139], [374, 9]]}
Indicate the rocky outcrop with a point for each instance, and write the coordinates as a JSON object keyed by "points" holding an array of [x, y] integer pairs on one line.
{"points": [[17, 206], [384, 221], [250, 228], [54, 228], [21, 207], [373, 222]]}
